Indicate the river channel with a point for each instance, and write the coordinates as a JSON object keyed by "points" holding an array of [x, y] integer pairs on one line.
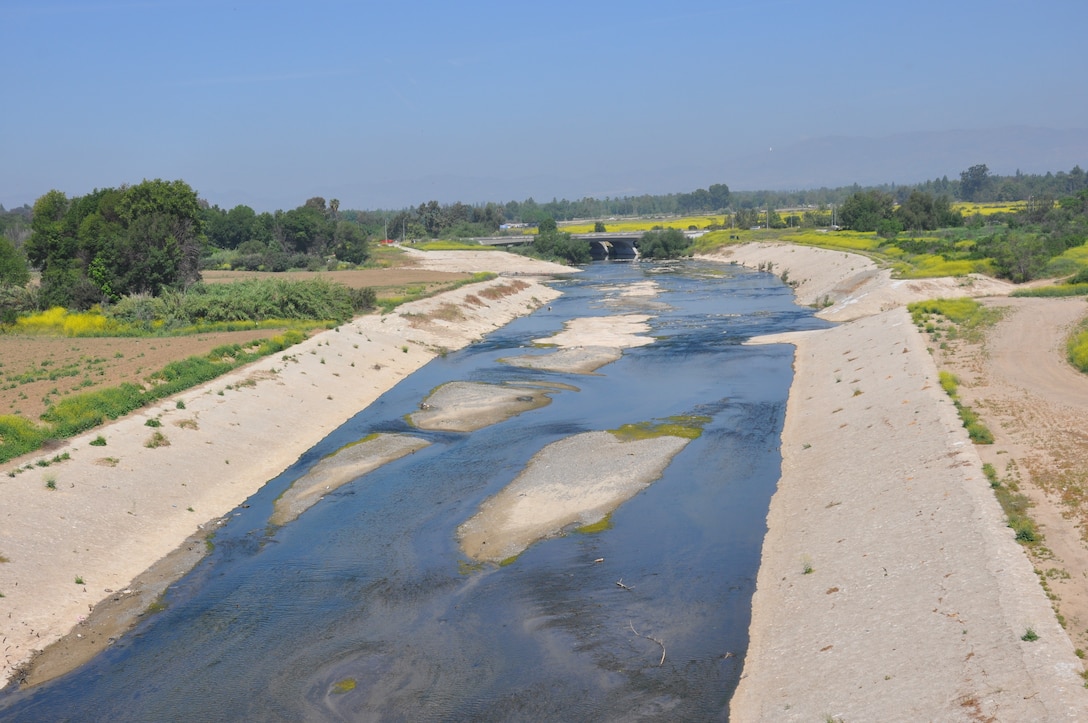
{"points": [[366, 608]]}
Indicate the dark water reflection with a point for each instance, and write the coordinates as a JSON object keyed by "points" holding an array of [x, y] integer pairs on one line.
{"points": [[364, 608]]}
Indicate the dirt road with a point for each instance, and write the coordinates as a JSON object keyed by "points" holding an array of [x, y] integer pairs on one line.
{"points": [[1027, 349], [1035, 404]]}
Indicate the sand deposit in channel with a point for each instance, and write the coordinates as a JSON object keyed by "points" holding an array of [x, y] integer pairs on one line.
{"points": [[571, 360], [577, 480], [619, 331], [233, 436], [340, 468], [468, 406]]}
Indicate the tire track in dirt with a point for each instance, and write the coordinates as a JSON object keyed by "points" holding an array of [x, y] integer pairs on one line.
{"points": [[1035, 403]]}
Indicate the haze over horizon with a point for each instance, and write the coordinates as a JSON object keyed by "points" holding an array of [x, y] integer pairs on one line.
{"points": [[390, 105]]}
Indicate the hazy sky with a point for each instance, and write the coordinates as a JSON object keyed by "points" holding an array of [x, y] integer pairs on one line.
{"points": [[387, 104]]}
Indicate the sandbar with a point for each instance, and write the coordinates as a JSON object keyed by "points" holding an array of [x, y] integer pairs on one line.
{"points": [[339, 468], [468, 406], [577, 480], [118, 509]]}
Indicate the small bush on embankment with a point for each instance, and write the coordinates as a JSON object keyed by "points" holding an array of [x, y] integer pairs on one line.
{"points": [[1014, 504], [976, 430]]}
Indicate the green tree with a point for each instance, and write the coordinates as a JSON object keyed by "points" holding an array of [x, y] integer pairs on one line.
{"points": [[975, 182], [719, 196], [669, 243], [113, 242], [229, 229], [746, 217], [305, 229], [1017, 256], [554, 245], [921, 211], [350, 243], [13, 270], [599, 227], [864, 210]]}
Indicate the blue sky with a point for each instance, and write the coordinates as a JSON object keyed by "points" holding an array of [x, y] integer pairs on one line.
{"points": [[389, 104]]}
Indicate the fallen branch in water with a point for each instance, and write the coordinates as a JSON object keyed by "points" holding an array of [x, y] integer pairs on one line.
{"points": [[662, 661]]}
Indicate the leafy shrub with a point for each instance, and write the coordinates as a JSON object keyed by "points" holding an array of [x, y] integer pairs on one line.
{"points": [[1077, 350], [978, 432], [363, 299], [17, 300], [668, 244], [267, 299], [950, 383]]}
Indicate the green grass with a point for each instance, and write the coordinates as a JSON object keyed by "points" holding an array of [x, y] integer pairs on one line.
{"points": [[976, 430], [451, 245], [932, 254], [646, 224], [605, 523], [420, 291], [156, 440], [1014, 504], [1053, 291], [20, 436], [1077, 348], [924, 266], [962, 317]]}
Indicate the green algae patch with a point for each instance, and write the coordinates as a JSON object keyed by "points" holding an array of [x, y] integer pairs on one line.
{"points": [[605, 523], [685, 426], [344, 686], [464, 567], [370, 437]]}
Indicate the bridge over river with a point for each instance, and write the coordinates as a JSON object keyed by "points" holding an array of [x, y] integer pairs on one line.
{"points": [[602, 245]]}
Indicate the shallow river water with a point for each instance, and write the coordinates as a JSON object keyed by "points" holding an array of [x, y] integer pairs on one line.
{"points": [[364, 608]]}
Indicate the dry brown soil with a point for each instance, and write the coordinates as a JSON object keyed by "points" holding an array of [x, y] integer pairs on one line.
{"points": [[81, 365], [38, 370], [1036, 404]]}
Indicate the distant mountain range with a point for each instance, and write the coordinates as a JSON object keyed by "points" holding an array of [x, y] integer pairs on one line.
{"points": [[833, 161], [908, 158]]}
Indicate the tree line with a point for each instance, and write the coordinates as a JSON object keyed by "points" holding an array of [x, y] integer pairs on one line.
{"points": [[156, 235]]}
